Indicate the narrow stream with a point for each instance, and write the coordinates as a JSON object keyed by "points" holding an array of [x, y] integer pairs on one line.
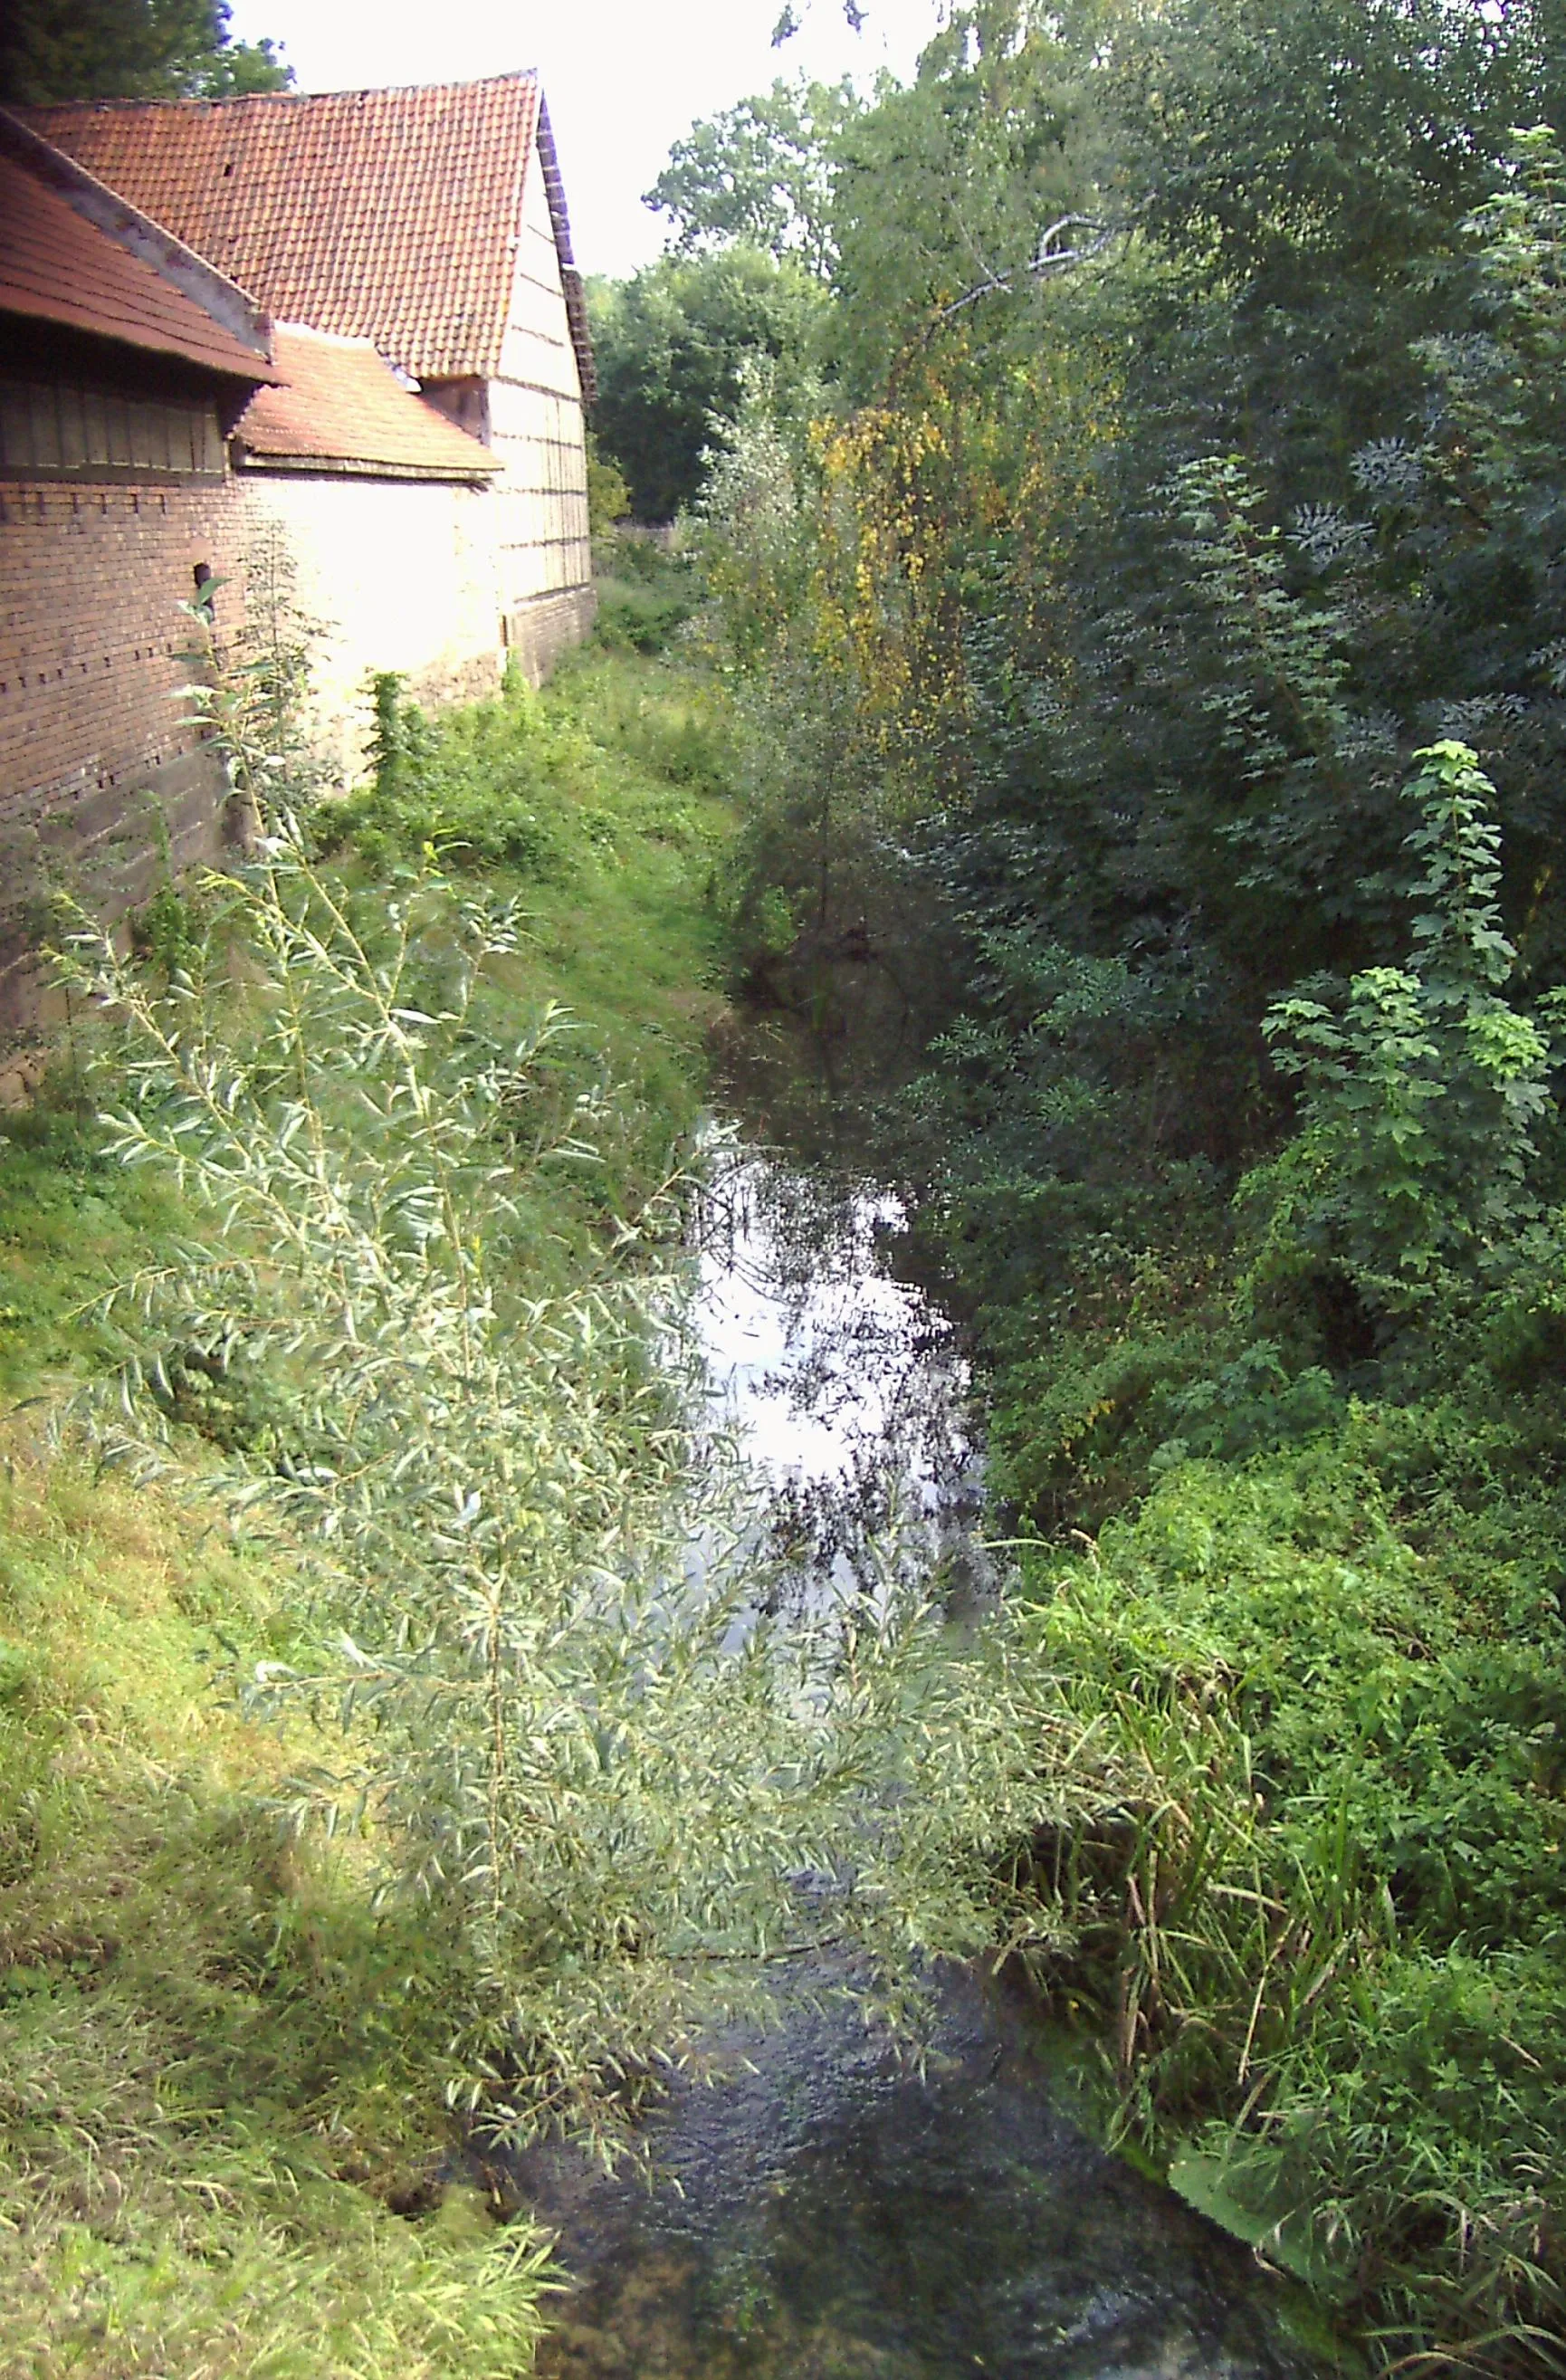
{"points": [[828, 2214]]}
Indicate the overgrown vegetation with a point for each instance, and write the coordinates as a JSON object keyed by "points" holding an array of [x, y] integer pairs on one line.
{"points": [[1146, 623], [671, 345], [385, 1782], [228, 2142], [225, 2144], [605, 1772], [1130, 542]]}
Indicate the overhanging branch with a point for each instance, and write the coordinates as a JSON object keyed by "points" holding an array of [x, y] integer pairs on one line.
{"points": [[1050, 257]]}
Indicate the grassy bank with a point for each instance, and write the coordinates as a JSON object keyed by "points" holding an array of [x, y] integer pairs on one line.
{"points": [[1321, 1940], [227, 2147]]}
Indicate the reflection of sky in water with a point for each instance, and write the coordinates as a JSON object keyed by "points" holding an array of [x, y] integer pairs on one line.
{"points": [[817, 1357], [830, 2215]]}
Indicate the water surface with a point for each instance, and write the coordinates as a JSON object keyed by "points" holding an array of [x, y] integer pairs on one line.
{"points": [[829, 2211]]}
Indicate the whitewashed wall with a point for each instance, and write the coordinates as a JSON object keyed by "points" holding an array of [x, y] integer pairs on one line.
{"points": [[399, 574]]}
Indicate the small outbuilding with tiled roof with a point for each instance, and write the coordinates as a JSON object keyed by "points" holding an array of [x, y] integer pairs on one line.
{"points": [[339, 406], [385, 512]]}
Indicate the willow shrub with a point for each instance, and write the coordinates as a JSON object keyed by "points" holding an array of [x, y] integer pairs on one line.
{"points": [[627, 1792]]}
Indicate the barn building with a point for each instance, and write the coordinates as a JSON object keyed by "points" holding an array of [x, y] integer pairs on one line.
{"points": [[356, 322], [431, 222], [125, 362]]}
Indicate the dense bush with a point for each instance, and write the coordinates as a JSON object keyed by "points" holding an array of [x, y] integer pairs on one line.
{"points": [[1328, 1928], [1150, 646]]}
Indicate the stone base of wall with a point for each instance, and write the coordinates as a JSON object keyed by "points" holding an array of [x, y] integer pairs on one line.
{"points": [[107, 849], [539, 631], [472, 681]]}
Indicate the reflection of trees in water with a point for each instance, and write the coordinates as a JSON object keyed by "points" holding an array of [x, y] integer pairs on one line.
{"points": [[826, 1033], [865, 1357]]}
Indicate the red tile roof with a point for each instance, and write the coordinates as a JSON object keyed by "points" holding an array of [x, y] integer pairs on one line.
{"points": [[389, 215], [74, 253], [345, 409]]}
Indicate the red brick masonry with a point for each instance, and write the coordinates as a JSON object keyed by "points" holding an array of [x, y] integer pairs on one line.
{"points": [[101, 766]]}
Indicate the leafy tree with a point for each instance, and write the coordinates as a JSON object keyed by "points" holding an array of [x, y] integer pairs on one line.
{"points": [[609, 497], [129, 49], [947, 188], [671, 347], [760, 174]]}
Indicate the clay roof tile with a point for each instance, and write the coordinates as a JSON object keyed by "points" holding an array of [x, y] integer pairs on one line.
{"points": [[73, 253], [345, 409], [389, 215]]}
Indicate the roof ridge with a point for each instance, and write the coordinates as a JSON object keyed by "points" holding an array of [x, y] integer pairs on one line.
{"points": [[287, 97], [333, 338]]}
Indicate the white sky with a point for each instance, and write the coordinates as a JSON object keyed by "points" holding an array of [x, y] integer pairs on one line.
{"points": [[623, 78]]}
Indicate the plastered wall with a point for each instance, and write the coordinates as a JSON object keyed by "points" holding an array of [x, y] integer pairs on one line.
{"points": [[395, 574]]}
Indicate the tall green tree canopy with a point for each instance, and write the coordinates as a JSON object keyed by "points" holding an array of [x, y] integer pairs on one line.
{"points": [[760, 174], [948, 185], [129, 49], [671, 345]]}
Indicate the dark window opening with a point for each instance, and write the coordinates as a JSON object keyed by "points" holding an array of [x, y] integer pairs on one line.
{"points": [[206, 593]]}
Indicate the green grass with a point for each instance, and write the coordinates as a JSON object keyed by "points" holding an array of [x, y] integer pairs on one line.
{"points": [[225, 2147], [604, 807], [220, 2072]]}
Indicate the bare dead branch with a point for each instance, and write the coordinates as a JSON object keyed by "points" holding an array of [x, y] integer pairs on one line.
{"points": [[1047, 258]]}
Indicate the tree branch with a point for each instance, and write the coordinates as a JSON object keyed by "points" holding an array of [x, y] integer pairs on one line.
{"points": [[1048, 257]]}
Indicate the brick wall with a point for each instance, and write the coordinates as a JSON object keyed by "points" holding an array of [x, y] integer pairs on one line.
{"points": [[101, 770]]}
